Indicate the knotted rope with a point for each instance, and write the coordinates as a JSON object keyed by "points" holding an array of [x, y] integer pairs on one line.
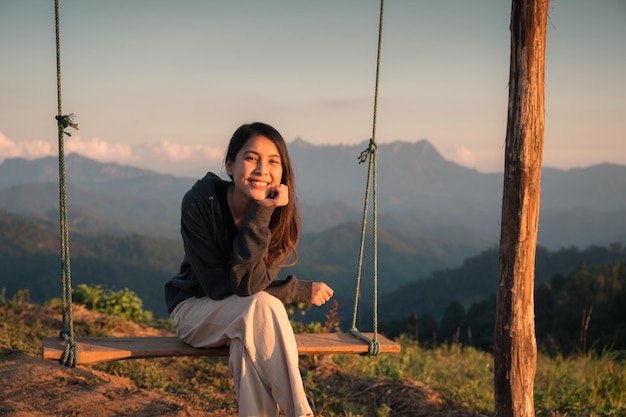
{"points": [[370, 154], [70, 354]]}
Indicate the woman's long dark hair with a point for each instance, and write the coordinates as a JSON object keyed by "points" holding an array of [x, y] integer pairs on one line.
{"points": [[285, 222]]}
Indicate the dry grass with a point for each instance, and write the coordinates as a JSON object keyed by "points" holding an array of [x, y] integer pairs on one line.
{"points": [[172, 386]]}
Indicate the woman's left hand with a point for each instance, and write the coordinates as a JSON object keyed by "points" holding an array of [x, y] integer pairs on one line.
{"points": [[277, 196], [320, 293]]}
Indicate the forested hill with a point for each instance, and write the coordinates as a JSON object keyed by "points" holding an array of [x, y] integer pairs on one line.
{"points": [[580, 311], [477, 279], [29, 251], [29, 258]]}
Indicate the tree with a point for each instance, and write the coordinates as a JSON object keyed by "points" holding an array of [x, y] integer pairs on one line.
{"points": [[515, 350]]}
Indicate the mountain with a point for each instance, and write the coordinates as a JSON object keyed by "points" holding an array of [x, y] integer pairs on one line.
{"points": [[432, 214], [418, 190], [94, 212], [104, 178], [409, 176], [30, 258], [476, 279], [414, 276]]}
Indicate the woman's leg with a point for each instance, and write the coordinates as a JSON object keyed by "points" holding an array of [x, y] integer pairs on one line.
{"points": [[263, 352]]}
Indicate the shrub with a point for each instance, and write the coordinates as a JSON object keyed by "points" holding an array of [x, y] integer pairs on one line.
{"points": [[123, 303]]}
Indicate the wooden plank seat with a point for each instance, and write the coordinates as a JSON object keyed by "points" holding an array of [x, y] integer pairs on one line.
{"points": [[103, 349]]}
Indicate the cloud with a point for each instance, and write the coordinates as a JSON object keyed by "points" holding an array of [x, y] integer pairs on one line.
{"points": [[164, 156], [29, 149], [98, 149], [178, 152], [462, 155], [175, 158]]}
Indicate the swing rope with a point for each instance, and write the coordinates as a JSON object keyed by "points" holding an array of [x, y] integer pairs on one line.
{"points": [[98, 350], [70, 355], [370, 154]]}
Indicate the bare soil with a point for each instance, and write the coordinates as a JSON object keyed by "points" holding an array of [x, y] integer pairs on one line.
{"points": [[32, 387]]}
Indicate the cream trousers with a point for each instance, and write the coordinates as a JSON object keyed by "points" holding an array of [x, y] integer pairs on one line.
{"points": [[263, 353]]}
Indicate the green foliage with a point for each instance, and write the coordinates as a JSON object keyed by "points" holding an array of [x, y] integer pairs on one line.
{"points": [[476, 280], [19, 298], [582, 311], [593, 385], [124, 303]]}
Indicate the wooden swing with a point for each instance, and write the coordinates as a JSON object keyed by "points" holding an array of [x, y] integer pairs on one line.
{"points": [[71, 351]]}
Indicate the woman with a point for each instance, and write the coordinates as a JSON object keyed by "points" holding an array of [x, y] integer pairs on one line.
{"points": [[237, 235]]}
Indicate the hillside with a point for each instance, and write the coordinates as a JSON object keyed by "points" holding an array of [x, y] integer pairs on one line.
{"points": [[179, 387], [477, 278], [29, 258], [414, 273], [434, 215]]}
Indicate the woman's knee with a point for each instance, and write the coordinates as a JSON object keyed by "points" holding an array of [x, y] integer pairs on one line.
{"points": [[265, 303]]}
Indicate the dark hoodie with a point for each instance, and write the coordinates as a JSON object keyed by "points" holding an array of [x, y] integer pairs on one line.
{"points": [[212, 267]]}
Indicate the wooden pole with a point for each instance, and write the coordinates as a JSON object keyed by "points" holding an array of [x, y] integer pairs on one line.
{"points": [[515, 351]]}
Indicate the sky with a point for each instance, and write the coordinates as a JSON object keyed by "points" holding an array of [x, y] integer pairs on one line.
{"points": [[163, 84]]}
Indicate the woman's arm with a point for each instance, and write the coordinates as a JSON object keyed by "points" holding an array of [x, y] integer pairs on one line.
{"points": [[249, 273]]}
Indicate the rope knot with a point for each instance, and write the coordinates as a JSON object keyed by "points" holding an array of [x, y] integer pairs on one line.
{"points": [[371, 149], [69, 358], [374, 348], [65, 121]]}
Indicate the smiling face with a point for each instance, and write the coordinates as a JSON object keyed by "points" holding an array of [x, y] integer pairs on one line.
{"points": [[256, 168]]}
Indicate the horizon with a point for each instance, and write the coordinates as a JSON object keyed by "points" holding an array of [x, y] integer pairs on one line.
{"points": [[181, 78], [196, 170]]}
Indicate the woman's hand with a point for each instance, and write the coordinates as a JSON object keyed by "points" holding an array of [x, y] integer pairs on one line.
{"points": [[321, 293], [277, 196]]}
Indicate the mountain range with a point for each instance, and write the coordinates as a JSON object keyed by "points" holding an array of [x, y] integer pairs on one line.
{"points": [[433, 214], [418, 192]]}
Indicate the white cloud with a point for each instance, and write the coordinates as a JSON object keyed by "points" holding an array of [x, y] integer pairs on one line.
{"points": [[179, 159], [98, 149], [178, 152], [164, 156], [28, 149], [462, 155]]}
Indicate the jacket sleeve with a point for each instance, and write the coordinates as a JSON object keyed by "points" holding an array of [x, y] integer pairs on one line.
{"points": [[203, 251], [249, 273]]}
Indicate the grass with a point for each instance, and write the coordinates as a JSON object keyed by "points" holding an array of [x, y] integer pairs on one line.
{"points": [[592, 385], [463, 374], [589, 385], [579, 385]]}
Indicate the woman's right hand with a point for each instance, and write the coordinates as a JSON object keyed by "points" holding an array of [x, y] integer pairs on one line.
{"points": [[321, 293]]}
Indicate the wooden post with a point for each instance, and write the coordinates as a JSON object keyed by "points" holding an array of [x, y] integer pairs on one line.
{"points": [[515, 351]]}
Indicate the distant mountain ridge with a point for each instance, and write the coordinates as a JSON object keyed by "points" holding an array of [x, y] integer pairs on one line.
{"points": [[418, 190], [108, 178], [433, 213]]}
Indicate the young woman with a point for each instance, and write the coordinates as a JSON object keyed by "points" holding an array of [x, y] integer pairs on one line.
{"points": [[237, 235]]}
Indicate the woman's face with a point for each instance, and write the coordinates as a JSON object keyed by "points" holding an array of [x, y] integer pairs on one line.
{"points": [[256, 168]]}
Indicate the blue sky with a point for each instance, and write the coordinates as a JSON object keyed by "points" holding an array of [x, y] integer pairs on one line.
{"points": [[163, 84]]}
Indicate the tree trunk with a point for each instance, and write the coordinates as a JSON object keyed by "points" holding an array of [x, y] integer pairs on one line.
{"points": [[515, 351]]}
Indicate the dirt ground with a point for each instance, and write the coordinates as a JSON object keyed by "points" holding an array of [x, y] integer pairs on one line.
{"points": [[32, 387]]}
